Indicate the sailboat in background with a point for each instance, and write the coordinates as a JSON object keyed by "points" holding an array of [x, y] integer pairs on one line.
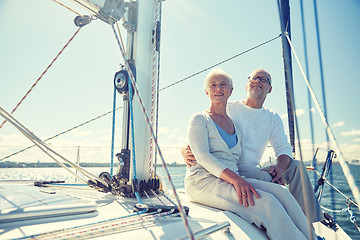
{"points": [[132, 202]]}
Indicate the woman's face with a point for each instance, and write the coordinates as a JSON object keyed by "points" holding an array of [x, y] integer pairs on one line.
{"points": [[218, 89]]}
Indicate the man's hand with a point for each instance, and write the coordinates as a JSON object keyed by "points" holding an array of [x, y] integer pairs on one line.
{"points": [[277, 171], [188, 156]]}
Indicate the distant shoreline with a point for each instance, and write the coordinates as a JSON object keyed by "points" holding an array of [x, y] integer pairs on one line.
{"points": [[8, 164]]}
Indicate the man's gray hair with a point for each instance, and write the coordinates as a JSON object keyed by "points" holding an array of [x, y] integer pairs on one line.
{"points": [[261, 70]]}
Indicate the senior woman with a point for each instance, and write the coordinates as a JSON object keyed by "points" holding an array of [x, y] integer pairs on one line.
{"points": [[215, 181]]}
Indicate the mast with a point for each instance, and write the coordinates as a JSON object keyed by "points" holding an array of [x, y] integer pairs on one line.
{"points": [[144, 71], [137, 143], [141, 54], [284, 12]]}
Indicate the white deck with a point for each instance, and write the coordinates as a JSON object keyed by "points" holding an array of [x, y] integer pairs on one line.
{"points": [[81, 212]]}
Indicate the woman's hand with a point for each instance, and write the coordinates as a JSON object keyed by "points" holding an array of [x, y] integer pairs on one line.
{"points": [[188, 156], [244, 189]]}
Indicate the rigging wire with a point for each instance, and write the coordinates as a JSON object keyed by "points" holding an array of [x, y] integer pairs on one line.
{"points": [[307, 75], [121, 40], [321, 65], [47, 149], [284, 13], [62, 133], [42, 74], [323, 90], [168, 86], [113, 118], [221, 62], [336, 189], [343, 164]]}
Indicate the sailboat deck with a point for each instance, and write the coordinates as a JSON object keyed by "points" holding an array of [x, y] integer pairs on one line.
{"points": [[42, 213], [69, 212]]}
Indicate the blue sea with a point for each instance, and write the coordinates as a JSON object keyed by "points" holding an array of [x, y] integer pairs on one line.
{"points": [[178, 173]]}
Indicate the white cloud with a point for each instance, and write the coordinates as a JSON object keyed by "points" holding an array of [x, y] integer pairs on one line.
{"points": [[351, 133], [164, 130], [350, 151], [176, 130], [299, 112], [79, 133], [338, 124]]}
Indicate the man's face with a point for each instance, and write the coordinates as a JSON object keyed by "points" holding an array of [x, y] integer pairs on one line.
{"points": [[258, 85]]}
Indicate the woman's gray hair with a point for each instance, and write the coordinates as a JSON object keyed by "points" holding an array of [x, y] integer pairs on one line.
{"points": [[217, 72]]}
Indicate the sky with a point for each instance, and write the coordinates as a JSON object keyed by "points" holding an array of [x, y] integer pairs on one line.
{"points": [[195, 34]]}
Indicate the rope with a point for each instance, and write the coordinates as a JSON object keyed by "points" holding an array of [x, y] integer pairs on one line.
{"points": [[156, 195], [57, 135], [134, 85], [42, 74], [102, 227], [343, 164], [63, 5], [284, 12], [153, 87], [121, 40], [47, 149], [158, 87], [132, 137], [352, 217], [321, 67], [333, 211], [32, 138], [113, 134], [221, 62]]}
